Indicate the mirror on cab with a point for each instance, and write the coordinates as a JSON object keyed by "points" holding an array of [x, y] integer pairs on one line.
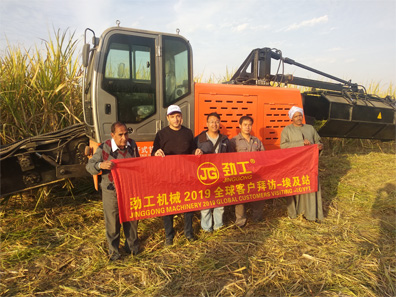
{"points": [[85, 54]]}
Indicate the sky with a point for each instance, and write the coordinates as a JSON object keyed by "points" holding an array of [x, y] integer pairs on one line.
{"points": [[350, 39]]}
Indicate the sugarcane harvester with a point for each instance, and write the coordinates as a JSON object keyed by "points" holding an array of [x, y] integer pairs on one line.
{"points": [[134, 75]]}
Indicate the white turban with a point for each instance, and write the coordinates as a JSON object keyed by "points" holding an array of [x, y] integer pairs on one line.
{"points": [[295, 109]]}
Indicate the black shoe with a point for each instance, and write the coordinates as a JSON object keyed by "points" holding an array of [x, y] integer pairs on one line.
{"points": [[168, 241], [115, 256], [128, 251], [257, 220], [191, 239]]}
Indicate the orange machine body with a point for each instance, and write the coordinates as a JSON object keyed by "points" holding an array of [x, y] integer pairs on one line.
{"points": [[268, 106]]}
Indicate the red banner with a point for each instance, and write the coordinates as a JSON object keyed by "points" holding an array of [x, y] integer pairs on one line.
{"points": [[157, 186]]}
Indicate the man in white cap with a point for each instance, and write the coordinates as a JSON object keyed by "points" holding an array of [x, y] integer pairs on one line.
{"points": [[294, 135], [175, 139]]}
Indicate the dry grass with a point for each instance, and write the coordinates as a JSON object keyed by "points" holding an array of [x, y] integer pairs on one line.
{"points": [[215, 79], [59, 249]]}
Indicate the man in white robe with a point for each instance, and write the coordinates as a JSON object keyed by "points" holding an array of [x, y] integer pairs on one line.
{"points": [[294, 135]]}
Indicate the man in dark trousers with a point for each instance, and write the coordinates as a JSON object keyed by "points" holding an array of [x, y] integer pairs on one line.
{"points": [[118, 147], [175, 139]]}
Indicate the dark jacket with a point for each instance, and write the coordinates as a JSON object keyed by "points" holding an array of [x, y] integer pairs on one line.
{"points": [[204, 143]]}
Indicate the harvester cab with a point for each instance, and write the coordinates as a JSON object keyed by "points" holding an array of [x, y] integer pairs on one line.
{"points": [[342, 109], [132, 76]]}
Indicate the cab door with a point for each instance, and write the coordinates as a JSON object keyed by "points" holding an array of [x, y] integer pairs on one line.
{"points": [[126, 84]]}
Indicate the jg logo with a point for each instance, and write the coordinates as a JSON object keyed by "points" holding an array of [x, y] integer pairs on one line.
{"points": [[207, 173]]}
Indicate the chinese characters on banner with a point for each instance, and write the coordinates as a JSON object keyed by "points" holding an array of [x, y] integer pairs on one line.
{"points": [[155, 186]]}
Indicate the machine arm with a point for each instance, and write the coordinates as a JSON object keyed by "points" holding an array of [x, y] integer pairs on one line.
{"points": [[256, 69]]}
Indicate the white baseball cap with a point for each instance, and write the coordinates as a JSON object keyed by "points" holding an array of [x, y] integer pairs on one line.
{"points": [[173, 109]]}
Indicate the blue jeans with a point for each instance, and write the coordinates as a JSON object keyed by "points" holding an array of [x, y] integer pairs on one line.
{"points": [[206, 218]]}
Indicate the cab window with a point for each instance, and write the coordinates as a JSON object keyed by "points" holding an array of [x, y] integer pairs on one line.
{"points": [[176, 70], [129, 76]]}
